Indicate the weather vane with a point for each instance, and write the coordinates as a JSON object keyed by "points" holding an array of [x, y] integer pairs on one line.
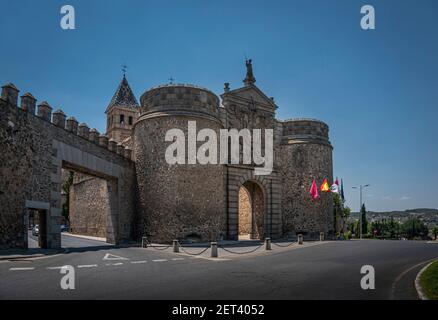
{"points": [[124, 68]]}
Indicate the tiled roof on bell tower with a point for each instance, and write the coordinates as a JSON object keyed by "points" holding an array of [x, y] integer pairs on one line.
{"points": [[124, 97]]}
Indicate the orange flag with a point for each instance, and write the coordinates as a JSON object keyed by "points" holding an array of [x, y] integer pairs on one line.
{"points": [[325, 186]]}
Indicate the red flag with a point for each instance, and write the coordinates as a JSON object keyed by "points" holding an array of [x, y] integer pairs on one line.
{"points": [[314, 190]]}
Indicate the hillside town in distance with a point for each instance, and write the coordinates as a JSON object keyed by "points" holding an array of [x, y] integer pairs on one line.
{"points": [[414, 224]]}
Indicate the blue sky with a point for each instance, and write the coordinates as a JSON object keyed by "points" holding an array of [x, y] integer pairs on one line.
{"points": [[378, 90]]}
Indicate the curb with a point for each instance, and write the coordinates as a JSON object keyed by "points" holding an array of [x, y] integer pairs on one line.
{"points": [[420, 292], [79, 236], [34, 256]]}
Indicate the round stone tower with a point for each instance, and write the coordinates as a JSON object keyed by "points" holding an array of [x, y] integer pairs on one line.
{"points": [[177, 201], [305, 154]]}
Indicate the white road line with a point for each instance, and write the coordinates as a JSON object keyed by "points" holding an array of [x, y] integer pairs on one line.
{"points": [[88, 266], [137, 262], [159, 260], [177, 259], [54, 268], [21, 269], [110, 256], [115, 264]]}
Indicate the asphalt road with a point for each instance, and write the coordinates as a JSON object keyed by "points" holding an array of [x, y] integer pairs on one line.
{"points": [[327, 271]]}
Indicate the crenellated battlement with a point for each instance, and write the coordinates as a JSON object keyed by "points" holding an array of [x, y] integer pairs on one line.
{"points": [[58, 118], [179, 99], [304, 129]]}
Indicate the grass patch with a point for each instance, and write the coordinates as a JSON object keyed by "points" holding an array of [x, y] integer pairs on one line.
{"points": [[429, 281]]}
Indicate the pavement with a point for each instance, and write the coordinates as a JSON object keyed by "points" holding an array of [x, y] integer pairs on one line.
{"points": [[319, 270]]}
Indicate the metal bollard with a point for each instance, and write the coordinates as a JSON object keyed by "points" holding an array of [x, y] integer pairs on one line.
{"points": [[268, 244], [144, 242], [300, 239], [214, 250], [175, 246], [321, 236]]}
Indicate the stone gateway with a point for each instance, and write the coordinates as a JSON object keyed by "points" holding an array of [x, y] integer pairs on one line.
{"points": [[124, 188]]}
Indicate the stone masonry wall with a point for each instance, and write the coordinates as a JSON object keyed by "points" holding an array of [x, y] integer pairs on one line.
{"points": [[177, 201], [89, 206], [245, 212], [183, 200], [301, 159], [33, 153]]}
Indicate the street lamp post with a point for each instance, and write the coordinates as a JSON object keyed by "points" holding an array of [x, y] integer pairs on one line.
{"points": [[361, 187]]}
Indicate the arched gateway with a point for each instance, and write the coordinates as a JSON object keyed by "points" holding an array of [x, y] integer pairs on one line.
{"points": [[251, 211]]}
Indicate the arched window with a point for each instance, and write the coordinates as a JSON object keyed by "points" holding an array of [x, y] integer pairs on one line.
{"points": [[122, 119], [130, 120]]}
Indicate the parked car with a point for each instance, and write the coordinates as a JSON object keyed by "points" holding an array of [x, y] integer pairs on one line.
{"points": [[64, 228], [36, 230]]}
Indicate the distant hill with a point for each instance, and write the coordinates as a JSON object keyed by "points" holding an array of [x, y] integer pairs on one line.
{"points": [[429, 216]]}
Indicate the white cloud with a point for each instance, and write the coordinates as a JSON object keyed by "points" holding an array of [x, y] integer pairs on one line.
{"points": [[403, 198]]}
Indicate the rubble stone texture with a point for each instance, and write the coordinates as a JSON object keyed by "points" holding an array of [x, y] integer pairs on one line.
{"points": [[89, 206]]}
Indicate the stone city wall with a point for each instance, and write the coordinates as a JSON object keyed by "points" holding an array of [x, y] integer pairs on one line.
{"points": [[35, 148]]}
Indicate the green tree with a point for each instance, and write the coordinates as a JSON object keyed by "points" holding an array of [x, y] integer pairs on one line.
{"points": [[346, 212], [435, 232], [414, 228], [341, 212], [363, 218], [66, 190], [337, 212]]}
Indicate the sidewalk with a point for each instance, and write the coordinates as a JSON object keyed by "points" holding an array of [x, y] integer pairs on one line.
{"points": [[233, 249]]}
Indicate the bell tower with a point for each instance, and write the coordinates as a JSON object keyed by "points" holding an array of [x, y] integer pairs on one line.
{"points": [[122, 112]]}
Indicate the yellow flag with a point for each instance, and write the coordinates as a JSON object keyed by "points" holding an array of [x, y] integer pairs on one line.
{"points": [[325, 186]]}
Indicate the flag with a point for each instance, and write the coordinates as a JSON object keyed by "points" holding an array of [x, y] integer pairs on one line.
{"points": [[335, 187], [342, 190], [314, 190], [325, 186]]}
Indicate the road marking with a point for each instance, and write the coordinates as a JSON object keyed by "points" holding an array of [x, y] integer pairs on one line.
{"points": [[21, 269], [137, 262], [54, 268], [115, 264], [159, 260], [177, 259], [110, 256], [88, 266], [401, 275]]}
